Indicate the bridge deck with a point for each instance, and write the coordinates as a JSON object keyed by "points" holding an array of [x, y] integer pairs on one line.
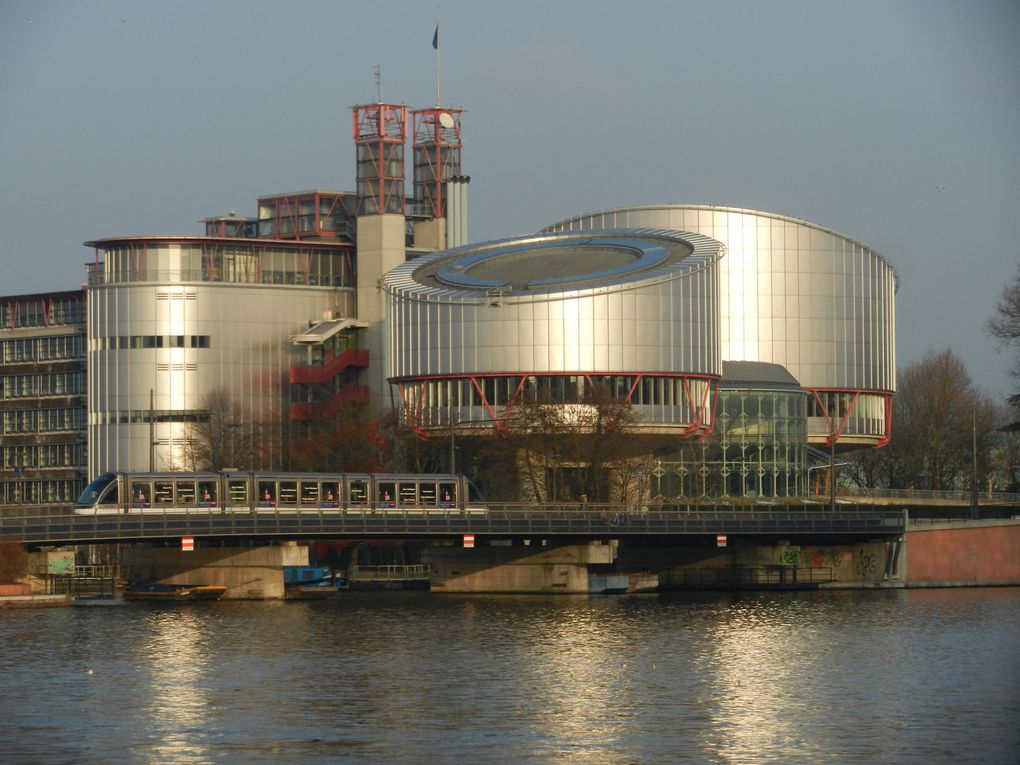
{"points": [[499, 521]]}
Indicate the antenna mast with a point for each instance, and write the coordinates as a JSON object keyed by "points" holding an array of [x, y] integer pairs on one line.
{"points": [[435, 45], [377, 74]]}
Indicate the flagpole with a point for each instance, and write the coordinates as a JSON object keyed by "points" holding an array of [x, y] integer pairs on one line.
{"points": [[435, 44]]}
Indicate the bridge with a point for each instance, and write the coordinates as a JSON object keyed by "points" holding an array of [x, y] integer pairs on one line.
{"points": [[563, 522]]}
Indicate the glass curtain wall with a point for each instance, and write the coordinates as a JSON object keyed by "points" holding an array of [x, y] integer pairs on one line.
{"points": [[758, 449]]}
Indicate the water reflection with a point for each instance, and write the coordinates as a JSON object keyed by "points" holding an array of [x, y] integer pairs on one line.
{"points": [[390, 678], [174, 658]]}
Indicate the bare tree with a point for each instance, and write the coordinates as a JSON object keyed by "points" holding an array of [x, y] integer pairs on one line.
{"points": [[351, 439], [225, 437], [938, 416], [1005, 325], [565, 451]]}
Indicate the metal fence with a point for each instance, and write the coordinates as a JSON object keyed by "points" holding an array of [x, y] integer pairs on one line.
{"points": [[604, 521], [85, 582], [745, 576], [392, 573]]}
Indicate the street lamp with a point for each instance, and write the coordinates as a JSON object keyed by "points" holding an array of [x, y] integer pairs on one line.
{"points": [[974, 471], [832, 460], [455, 420]]}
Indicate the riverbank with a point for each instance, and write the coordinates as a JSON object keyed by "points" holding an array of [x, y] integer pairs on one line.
{"points": [[34, 601]]}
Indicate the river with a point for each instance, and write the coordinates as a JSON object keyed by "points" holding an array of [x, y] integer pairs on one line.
{"points": [[897, 676]]}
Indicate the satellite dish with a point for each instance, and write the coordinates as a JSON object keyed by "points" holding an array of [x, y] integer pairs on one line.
{"points": [[445, 120]]}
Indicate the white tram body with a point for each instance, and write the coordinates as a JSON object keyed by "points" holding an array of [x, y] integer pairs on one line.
{"points": [[264, 492]]}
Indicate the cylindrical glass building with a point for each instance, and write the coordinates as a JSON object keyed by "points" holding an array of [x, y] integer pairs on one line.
{"points": [[634, 311], [814, 301]]}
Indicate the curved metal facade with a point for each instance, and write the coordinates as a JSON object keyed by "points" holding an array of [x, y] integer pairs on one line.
{"points": [[475, 328], [154, 325], [792, 293]]}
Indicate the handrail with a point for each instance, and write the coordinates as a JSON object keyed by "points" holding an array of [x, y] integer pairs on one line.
{"points": [[600, 522]]}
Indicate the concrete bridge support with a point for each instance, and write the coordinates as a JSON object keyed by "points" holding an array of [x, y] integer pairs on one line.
{"points": [[753, 563], [525, 569], [249, 573]]}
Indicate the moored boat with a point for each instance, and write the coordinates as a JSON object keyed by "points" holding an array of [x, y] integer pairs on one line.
{"points": [[308, 582], [179, 592]]}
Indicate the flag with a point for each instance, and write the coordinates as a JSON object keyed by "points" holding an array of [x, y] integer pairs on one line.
{"points": [[435, 39]]}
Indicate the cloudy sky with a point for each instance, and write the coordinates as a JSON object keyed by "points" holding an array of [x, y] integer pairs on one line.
{"points": [[896, 123]]}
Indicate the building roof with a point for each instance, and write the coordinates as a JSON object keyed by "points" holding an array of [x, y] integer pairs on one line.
{"points": [[566, 263], [756, 374]]}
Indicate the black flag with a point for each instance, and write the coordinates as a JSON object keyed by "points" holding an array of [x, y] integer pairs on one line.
{"points": [[435, 38]]}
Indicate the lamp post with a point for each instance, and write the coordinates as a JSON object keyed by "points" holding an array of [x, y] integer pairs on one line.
{"points": [[455, 420], [453, 445], [152, 430], [832, 461], [974, 471]]}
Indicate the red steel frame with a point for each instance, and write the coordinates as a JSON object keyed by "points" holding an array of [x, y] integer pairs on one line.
{"points": [[288, 206], [430, 138], [413, 408], [380, 125], [12, 307], [837, 431]]}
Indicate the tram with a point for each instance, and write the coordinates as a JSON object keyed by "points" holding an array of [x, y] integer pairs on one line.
{"points": [[267, 492]]}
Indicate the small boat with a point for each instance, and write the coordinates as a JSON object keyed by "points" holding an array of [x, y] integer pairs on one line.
{"points": [[178, 592], [308, 582]]}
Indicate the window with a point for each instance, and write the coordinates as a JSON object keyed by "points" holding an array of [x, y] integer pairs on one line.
{"points": [[330, 494], [288, 493], [163, 492], [267, 494], [309, 493], [358, 492], [447, 495], [185, 492], [427, 494], [237, 492], [408, 494], [206, 493], [141, 494]]}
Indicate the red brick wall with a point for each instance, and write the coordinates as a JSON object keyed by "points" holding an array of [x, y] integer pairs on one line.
{"points": [[983, 555]]}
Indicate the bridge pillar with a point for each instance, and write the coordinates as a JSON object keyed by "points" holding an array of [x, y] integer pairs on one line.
{"points": [[248, 573], [532, 569]]}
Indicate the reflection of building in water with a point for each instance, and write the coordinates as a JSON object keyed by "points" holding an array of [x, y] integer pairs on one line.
{"points": [[176, 660]]}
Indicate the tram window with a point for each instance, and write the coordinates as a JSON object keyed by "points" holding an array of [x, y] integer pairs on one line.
{"points": [[447, 494], [207, 492], [408, 494], [141, 493], [386, 492], [288, 493], [427, 493], [330, 494], [185, 492], [110, 497], [163, 492], [358, 493], [237, 491], [267, 493], [309, 493]]}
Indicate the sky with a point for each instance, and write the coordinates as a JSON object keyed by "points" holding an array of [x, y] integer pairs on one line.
{"points": [[896, 123]]}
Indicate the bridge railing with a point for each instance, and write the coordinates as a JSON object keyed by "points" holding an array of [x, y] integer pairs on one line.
{"points": [[505, 519], [731, 576]]}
